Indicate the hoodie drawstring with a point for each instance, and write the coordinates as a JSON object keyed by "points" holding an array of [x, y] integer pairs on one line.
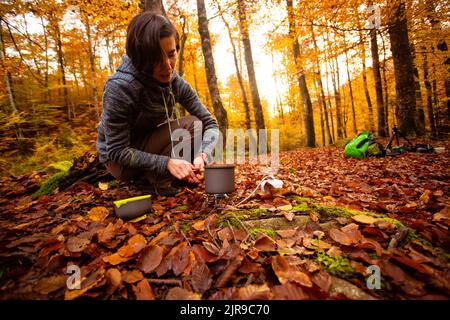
{"points": [[167, 113]]}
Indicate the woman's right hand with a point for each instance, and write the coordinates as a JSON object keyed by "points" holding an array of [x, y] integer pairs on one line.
{"points": [[183, 170]]}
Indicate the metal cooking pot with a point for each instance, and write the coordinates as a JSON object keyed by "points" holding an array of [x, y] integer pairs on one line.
{"points": [[219, 179]]}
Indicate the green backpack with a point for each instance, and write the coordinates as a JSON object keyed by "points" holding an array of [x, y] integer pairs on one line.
{"points": [[362, 146]]}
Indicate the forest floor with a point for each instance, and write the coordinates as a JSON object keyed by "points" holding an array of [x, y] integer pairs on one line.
{"points": [[313, 239]]}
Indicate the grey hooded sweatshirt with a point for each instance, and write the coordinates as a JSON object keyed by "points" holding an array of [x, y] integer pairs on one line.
{"points": [[133, 106]]}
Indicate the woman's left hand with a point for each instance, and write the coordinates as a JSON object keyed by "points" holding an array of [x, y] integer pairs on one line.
{"points": [[199, 164]]}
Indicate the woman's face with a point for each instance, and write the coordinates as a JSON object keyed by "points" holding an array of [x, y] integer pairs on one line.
{"points": [[163, 72]]}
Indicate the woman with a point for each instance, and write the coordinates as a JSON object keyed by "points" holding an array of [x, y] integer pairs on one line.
{"points": [[139, 114]]}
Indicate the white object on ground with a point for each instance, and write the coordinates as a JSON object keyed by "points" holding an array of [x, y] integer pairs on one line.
{"points": [[275, 183]]}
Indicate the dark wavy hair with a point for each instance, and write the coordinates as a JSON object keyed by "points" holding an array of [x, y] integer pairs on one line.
{"points": [[143, 35]]}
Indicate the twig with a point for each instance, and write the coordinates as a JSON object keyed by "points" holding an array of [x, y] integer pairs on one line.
{"points": [[165, 281], [232, 231]]}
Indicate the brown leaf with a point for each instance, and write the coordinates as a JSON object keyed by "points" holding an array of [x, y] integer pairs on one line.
{"points": [[143, 291], [201, 254], [201, 278], [264, 243], [107, 234], [289, 215], [158, 238], [150, 258], [135, 244], [340, 237], [115, 259], [114, 278], [89, 283], [229, 271], [98, 213], [132, 276], [289, 291], [365, 219], [211, 248], [149, 230], [322, 279], [178, 293], [180, 260], [77, 244], [50, 284], [199, 225], [254, 292], [249, 267], [286, 273]]}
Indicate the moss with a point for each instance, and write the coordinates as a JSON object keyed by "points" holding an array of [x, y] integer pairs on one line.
{"points": [[292, 170], [231, 219], [181, 208], [257, 211], [330, 212], [271, 233], [62, 165], [299, 199], [337, 266], [413, 236], [302, 207], [185, 228], [50, 184]]}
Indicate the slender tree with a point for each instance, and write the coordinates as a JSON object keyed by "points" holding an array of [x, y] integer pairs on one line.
{"points": [[301, 78], [211, 77]]}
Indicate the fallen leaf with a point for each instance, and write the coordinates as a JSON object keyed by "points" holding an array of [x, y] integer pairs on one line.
{"points": [[199, 225], [143, 291], [77, 244], [254, 292], [425, 197], [50, 284], [115, 259], [150, 258], [340, 237], [132, 276], [103, 186], [289, 215], [264, 243], [98, 214], [135, 244], [201, 277], [286, 273], [180, 260], [365, 219], [178, 293], [288, 291]]}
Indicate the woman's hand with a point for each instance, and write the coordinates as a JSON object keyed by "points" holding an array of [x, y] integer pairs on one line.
{"points": [[200, 161], [183, 170]]}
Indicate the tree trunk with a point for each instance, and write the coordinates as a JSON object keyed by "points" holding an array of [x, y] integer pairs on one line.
{"points": [[355, 129], [211, 78], [307, 105], [320, 84], [46, 89], [10, 91], [257, 107], [418, 93], [366, 89], [92, 65], [385, 86], [404, 70], [429, 94], [240, 80], [337, 101], [378, 85], [62, 68], [154, 5]]}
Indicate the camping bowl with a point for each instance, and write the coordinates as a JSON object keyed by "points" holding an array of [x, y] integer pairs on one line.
{"points": [[219, 179], [132, 208]]}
